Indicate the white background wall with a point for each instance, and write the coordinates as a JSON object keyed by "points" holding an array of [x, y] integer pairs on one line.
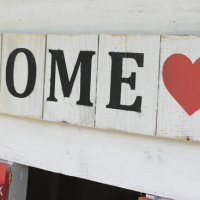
{"points": [[162, 167]]}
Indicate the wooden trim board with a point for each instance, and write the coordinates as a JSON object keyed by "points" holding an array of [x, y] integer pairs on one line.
{"points": [[158, 166]]}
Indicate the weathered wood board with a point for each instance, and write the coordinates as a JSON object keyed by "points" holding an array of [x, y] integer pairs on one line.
{"points": [[179, 88], [120, 57], [153, 165], [101, 16], [0, 48], [75, 66], [22, 74]]}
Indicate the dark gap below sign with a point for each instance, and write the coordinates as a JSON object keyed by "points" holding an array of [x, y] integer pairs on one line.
{"points": [[44, 185]]}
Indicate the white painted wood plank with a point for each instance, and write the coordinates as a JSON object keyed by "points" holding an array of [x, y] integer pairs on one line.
{"points": [[145, 67], [66, 109], [179, 93], [101, 16], [157, 166], [0, 49], [21, 104]]}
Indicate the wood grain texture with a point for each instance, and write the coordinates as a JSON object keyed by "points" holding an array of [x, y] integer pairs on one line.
{"points": [[146, 84], [157, 166], [101, 16], [173, 120], [30, 106], [0, 48], [66, 108]]}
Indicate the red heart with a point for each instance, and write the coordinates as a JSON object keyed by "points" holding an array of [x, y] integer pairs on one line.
{"points": [[182, 79]]}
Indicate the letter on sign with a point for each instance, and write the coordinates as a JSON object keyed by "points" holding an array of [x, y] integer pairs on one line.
{"points": [[128, 83], [70, 82], [22, 74], [116, 80]]}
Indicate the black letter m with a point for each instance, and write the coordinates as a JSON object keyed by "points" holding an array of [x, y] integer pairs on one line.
{"points": [[84, 61]]}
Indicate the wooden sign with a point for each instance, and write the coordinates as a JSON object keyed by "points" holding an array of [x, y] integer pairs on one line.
{"points": [[128, 83], [105, 81], [179, 87], [22, 74], [70, 79]]}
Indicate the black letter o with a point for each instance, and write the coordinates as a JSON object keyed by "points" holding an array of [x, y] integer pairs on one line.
{"points": [[31, 73]]}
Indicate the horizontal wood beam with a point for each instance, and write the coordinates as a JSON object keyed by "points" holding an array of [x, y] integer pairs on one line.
{"points": [[161, 167]]}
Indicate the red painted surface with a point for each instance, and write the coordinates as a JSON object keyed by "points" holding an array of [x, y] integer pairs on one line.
{"points": [[144, 198], [5, 171], [2, 173], [182, 79]]}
